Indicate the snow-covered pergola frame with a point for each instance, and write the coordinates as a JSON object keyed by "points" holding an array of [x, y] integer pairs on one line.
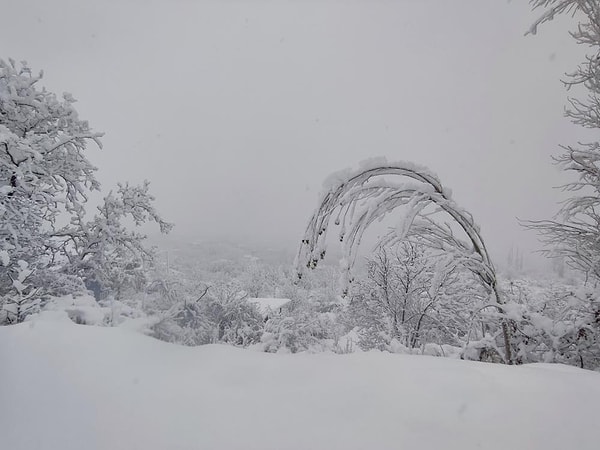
{"points": [[355, 199]]}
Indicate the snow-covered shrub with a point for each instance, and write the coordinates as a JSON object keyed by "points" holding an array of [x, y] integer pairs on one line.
{"points": [[221, 314], [559, 324], [484, 349], [119, 311], [185, 324], [549, 322], [303, 328], [82, 309]]}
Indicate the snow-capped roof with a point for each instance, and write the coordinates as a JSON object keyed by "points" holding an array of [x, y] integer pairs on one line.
{"points": [[266, 305]]}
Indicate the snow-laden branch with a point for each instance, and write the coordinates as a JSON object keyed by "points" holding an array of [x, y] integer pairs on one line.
{"points": [[355, 199], [358, 198]]}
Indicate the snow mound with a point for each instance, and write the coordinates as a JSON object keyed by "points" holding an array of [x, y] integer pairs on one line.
{"points": [[68, 386]]}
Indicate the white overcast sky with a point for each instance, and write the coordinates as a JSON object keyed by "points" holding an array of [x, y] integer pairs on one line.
{"points": [[237, 110]]}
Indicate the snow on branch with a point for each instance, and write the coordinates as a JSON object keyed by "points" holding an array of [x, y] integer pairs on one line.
{"points": [[554, 8], [357, 198], [354, 199]]}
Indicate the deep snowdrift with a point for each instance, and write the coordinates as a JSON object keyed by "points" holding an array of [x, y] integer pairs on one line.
{"points": [[66, 386]]}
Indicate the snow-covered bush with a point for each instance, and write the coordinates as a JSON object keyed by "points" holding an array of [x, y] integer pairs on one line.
{"points": [[221, 314], [184, 324], [82, 309], [303, 328], [555, 323], [550, 322]]}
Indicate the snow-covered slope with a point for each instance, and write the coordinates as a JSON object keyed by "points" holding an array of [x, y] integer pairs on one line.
{"points": [[66, 386]]}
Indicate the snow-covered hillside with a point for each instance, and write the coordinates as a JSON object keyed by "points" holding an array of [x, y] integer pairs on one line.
{"points": [[67, 386]]}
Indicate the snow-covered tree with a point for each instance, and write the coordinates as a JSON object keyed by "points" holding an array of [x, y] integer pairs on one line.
{"points": [[45, 181], [23, 299], [574, 233], [44, 173], [414, 296], [103, 250], [355, 199]]}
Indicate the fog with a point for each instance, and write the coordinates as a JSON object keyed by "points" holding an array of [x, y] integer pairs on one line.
{"points": [[236, 111]]}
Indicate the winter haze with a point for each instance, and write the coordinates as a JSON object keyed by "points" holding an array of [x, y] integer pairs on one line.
{"points": [[237, 111]]}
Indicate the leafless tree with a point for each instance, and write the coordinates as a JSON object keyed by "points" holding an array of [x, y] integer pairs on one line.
{"points": [[574, 233], [409, 288]]}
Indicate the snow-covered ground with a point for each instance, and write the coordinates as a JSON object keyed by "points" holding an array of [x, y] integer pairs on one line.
{"points": [[67, 386]]}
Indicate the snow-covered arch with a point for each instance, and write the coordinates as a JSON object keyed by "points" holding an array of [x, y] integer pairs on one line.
{"points": [[354, 199]]}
